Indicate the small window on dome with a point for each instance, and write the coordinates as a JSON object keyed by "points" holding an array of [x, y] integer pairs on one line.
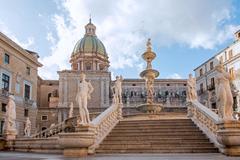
{"points": [[101, 67], [88, 66]]}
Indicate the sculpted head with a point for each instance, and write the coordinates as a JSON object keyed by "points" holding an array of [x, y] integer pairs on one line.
{"points": [[11, 97], [220, 67], [190, 76], [82, 77]]}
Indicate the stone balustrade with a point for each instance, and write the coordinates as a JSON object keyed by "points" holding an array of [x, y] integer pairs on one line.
{"points": [[105, 122], [224, 134]]}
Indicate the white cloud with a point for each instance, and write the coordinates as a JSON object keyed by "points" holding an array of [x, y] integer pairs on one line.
{"points": [[174, 76], [50, 38], [125, 25], [26, 44]]}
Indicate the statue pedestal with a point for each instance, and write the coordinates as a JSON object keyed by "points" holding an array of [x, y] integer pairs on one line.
{"points": [[76, 144], [228, 136], [10, 135]]}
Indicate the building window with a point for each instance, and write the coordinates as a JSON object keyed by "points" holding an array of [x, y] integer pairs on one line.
{"points": [[5, 82], [49, 95], [211, 65], [168, 84], [201, 88], [25, 112], [6, 58], [201, 72], [27, 90], [212, 82], [44, 118], [28, 70], [133, 84], [4, 105], [230, 54], [1, 127]]}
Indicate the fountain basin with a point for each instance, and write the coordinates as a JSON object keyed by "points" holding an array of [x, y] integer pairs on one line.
{"points": [[149, 73], [150, 108]]}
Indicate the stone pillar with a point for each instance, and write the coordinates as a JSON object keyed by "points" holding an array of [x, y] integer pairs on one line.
{"points": [[228, 136], [77, 144]]}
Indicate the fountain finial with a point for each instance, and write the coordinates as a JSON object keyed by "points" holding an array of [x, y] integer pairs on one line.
{"points": [[149, 45]]}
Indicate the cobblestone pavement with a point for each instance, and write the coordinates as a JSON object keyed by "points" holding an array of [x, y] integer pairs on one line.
{"points": [[36, 156]]}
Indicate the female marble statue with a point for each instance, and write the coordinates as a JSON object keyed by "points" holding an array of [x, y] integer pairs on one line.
{"points": [[27, 129], [118, 89], [70, 114], [191, 89], [83, 95], [10, 119], [224, 94]]}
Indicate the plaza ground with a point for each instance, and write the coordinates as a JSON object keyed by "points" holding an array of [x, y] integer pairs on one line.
{"points": [[37, 156]]}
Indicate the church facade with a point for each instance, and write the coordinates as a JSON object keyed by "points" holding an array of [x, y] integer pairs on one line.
{"points": [[90, 57]]}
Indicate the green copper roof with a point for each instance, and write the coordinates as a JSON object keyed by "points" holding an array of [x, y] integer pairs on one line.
{"points": [[89, 44]]}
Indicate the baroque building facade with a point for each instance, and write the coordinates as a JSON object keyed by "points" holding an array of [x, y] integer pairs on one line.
{"points": [[18, 77], [90, 57], [206, 74]]}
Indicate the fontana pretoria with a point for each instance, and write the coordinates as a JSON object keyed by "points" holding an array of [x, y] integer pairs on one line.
{"points": [[86, 113]]}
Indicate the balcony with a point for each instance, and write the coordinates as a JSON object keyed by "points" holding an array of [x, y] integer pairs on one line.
{"points": [[4, 92], [200, 92], [28, 101], [211, 87]]}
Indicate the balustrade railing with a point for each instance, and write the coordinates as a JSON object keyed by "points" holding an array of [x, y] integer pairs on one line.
{"points": [[206, 119], [105, 122], [65, 126]]}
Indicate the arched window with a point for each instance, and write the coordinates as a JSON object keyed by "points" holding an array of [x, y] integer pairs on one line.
{"points": [[49, 95]]}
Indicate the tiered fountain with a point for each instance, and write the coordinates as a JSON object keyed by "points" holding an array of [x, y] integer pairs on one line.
{"points": [[149, 75]]}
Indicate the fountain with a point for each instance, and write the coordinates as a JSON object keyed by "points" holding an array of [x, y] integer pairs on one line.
{"points": [[149, 75]]}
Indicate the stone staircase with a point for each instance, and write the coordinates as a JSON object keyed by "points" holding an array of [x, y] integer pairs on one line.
{"points": [[156, 136]]}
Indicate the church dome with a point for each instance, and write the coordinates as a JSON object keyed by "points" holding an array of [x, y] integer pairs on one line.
{"points": [[89, 43]]}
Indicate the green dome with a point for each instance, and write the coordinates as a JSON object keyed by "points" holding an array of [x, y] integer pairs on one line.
{"points": [[89, 44]]}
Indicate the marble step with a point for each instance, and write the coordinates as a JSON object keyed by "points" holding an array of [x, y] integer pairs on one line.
{"points": [[173, 150], [163, 141], [155, 146], [146, 130], [177, 134]]}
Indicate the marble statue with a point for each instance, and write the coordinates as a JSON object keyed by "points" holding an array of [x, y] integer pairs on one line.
{"points": [[150, 90], [27, 129], [118, 89], [224, 94], [191, 89], [83, 95], [70, 114], [10, 119]]}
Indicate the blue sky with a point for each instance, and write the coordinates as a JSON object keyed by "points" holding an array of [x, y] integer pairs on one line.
{"points": [[184, 33]]}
